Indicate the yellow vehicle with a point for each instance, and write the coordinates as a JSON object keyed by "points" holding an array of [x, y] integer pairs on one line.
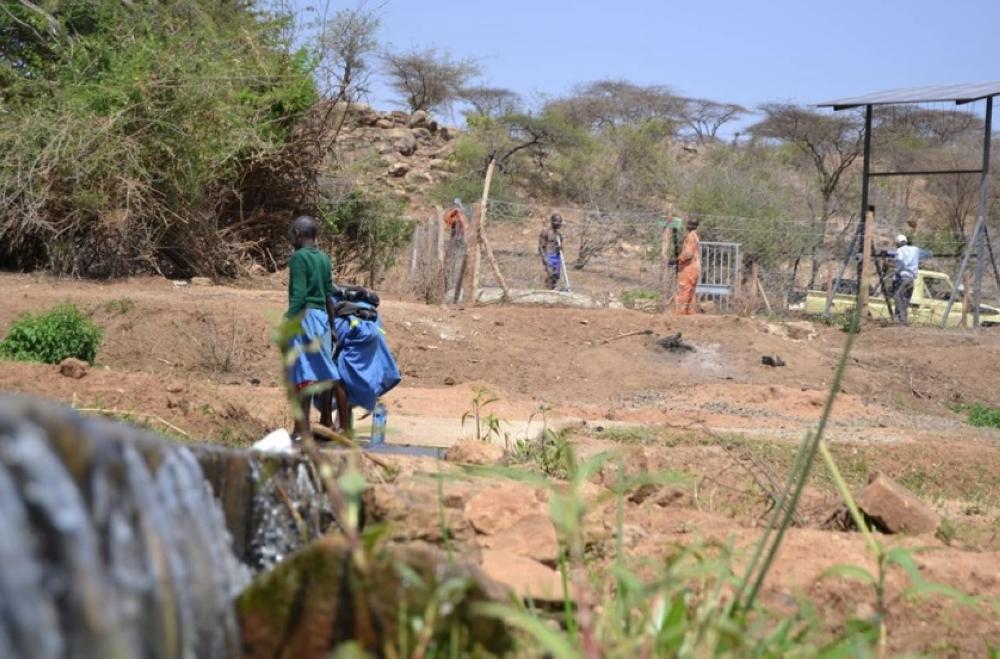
{"points": [[931, 291]]}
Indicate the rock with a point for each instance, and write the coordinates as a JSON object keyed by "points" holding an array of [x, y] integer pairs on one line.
{"points": [[773, 361], [201, 281], [894, 509], [384, 124], [422, 134], [399, 117], [450, 381], [526, 577], [533, 537], [412, 509], [402, 140], [318, 599], [419, 178], [439, 165], [498, 507], [73, 368], [418, 119], [398, 169], [445, 133], [473, 452], [795, 330]]}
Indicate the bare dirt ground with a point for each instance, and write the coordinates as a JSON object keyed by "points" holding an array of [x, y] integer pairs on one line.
{"points": [[198, 361]]}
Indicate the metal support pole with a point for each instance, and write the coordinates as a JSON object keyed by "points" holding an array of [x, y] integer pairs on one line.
{"points": [[984, 200], [865, 177], [976, 242]]}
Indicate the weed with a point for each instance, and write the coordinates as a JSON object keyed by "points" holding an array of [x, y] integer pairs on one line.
{"points": [[984, 416], [946, 531], [550, 452], [488, 426], [119, 306], [53, 336], [639, 298]]}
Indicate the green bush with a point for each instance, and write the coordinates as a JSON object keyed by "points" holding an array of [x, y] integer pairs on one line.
{"points": [[52, 337], [984, 416]]}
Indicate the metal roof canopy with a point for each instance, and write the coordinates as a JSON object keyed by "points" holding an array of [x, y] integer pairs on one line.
{"points": [[959, 94]]}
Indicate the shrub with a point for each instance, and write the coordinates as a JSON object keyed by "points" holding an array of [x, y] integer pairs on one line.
{"points": [[53, 336], [984, 416]]}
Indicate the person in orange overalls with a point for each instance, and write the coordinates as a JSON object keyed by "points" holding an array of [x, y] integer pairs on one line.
{"points": [[690, 270]]}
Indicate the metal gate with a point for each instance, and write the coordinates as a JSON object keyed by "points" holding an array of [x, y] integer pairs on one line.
{"points": [[721, 264]]}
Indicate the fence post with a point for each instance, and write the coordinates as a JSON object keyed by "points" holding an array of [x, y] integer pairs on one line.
{"points": [[666, 270], [753, 287], [866, 261]]}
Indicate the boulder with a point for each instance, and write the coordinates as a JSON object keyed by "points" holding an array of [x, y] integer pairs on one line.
{"points": [[319, 598], [422, 134], [398, 169], [384, 123], [445, 133], [73, 368], [402, 140], [892, 508], [533, 537], [419, 178], [526, 577], [498, 507], [418, 119], [473, 452]]}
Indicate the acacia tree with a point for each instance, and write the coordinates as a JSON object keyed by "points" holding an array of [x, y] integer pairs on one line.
{"points": [[428, 79], [348, 42], [704, 118], [491, 101], [830, 143], [604, 104]]}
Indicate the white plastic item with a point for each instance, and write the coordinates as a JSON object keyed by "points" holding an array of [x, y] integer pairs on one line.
{"points": [[278, 441]]}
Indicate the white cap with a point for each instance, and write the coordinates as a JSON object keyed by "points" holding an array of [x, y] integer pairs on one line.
{"points": [[901, 239]]}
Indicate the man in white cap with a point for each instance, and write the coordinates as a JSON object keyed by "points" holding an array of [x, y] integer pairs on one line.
{"points": [[907, 258]]}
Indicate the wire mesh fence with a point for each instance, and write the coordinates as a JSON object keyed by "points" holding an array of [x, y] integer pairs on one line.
{"points": [[625, 257]]}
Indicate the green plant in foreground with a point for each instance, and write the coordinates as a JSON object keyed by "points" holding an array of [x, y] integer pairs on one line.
{"points": [[53, 336], [984, 416], [488, 424]]}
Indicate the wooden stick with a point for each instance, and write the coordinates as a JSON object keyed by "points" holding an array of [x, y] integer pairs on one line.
{"points": [[476, 239], [111, 412], [644, 332], [666, 270], [346, 442], [767, 303]]}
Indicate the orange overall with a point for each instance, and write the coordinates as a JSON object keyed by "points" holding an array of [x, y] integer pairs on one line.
{"points": [[687, 279]]}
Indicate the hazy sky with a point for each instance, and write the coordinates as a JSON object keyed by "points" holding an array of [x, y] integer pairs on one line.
{"points": [[747, 51]]}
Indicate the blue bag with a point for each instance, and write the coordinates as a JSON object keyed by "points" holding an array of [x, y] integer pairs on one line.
{"points": [[367, 368]]}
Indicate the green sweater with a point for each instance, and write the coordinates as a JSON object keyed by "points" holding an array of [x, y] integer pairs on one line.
{"points": [[310, 281]]}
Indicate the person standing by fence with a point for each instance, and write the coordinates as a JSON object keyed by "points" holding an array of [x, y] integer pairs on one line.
{"points": [[690, 270], [907, 258], [550, 249]]}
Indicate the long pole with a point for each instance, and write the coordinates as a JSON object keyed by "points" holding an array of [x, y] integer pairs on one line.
{"points": [[976, 240], [984, 200], [865, 177]]}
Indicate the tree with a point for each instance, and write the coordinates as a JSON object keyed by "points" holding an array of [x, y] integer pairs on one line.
{"points": [[830, 143], [426, 79], [491, 101], [347, 44], [704, 118], [605, 104]]}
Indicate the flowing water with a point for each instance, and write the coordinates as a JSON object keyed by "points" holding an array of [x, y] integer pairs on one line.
{"points": [[114, 549]]}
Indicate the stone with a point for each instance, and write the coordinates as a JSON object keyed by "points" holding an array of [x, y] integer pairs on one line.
{"points": [[533, 537], [319, 598], [528, 578], [439, 165], [422, 134], [774, 361], [894, 509], [402, 140], [201, 281], [432, 126], [384, 124], [418, 119], [413, 509], [499, 506], [398, 169], [72, 367], [420, 178], [445, 133], [450, 381], [473, 452]]}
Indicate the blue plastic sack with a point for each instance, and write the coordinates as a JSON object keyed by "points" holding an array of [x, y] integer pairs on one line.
{"points": [[366, 366]]}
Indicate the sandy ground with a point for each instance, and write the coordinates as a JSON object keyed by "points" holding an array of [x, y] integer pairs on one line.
{"points": [[198, 361]]}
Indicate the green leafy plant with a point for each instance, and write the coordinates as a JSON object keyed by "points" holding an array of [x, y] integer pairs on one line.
{"points": [[53, 336], [489, 427], [984, 416]]}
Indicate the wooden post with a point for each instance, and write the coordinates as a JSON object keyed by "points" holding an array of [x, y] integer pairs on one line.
{"points": [[475, 237], [667, 270], [829, 284], [505, 295], [753, 287], [866, 261], [439, 234]]}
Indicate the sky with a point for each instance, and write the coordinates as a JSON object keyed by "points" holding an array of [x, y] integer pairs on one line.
{"points": [[746, 52]]}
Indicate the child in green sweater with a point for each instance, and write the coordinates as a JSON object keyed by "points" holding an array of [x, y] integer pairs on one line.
{"points": [[310, 285]]}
